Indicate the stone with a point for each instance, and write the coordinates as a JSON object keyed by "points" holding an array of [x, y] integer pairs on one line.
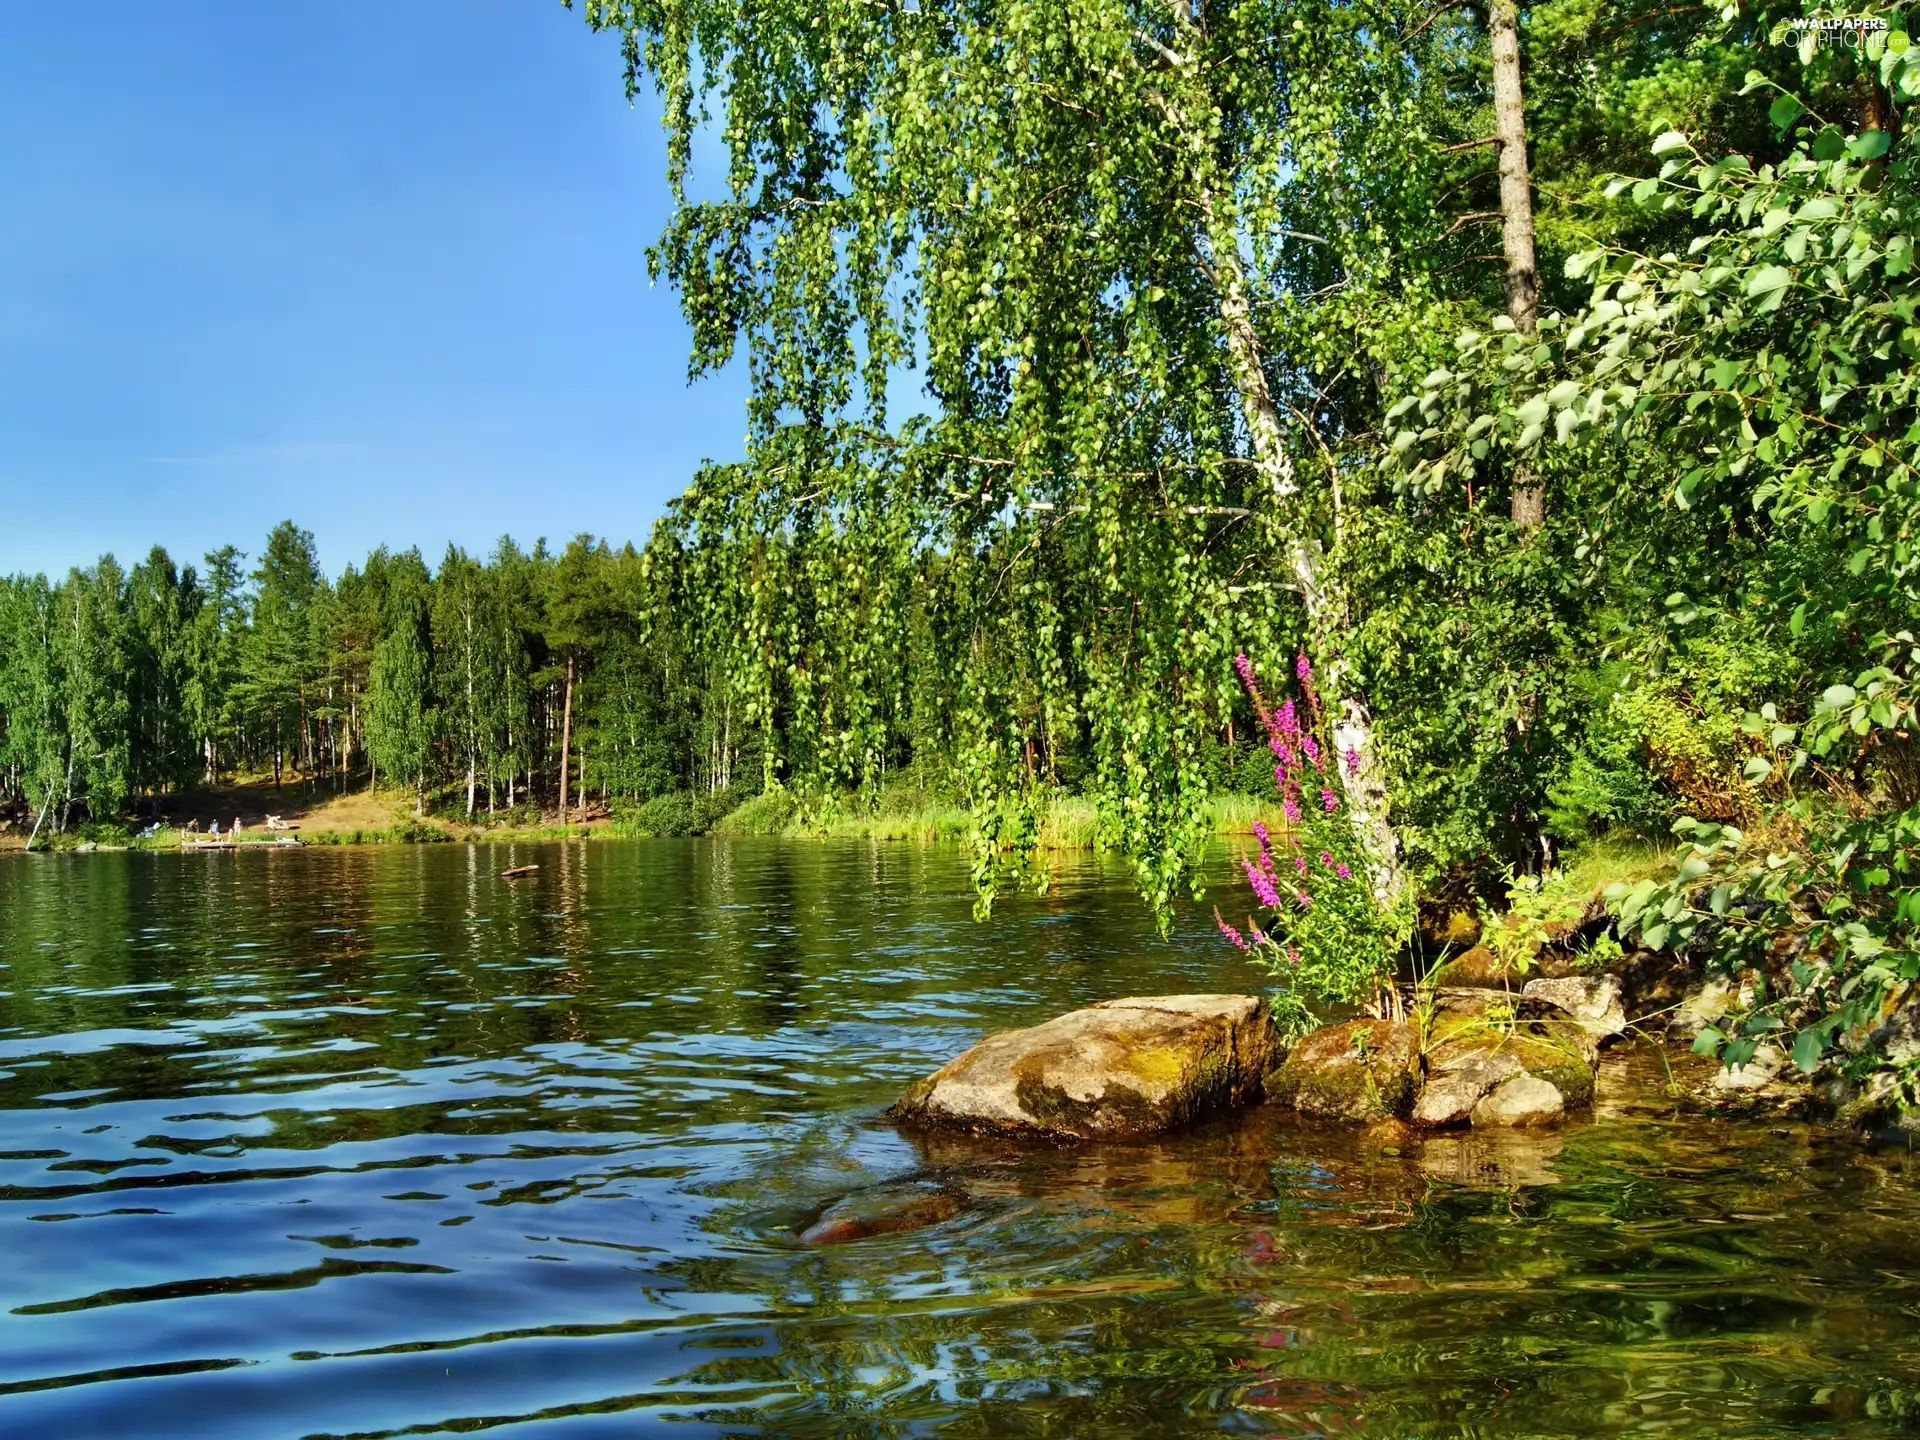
{"points": [[1116, 1070], [1362, 1070], [1489, 999], [1592, 1000], [1521, 1100], [1714, 1000], [883, 1210], [1478, 966], [1449, 1095], [1469, 1056], [1763, 1067]]}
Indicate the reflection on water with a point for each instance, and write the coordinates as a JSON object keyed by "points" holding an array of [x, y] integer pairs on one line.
{"points": [[370, 1142]]}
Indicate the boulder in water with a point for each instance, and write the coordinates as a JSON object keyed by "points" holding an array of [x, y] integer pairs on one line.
{"points": [[883, 1210], [1116, 1070], [1521, 1100], [1361, 1070], [1450, 1094]]}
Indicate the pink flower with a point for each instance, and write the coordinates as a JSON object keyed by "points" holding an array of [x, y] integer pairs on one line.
{"points": [[1353, 761], [1300, 863], [1262, 884], [1342, 871], [1304, 899], [1313, 750], [1260, 834], [1232, 934], [1302, 668], [1327, 802], [1291, 805], [1287, 718], [1326, 858], [1293, 956]]}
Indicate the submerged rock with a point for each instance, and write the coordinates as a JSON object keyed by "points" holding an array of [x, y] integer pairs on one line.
{"points": [[1362, 1070], [1115, 1070], [1521, 1100], [883, 1210]]}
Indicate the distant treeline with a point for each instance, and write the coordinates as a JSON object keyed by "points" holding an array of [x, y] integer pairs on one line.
{"points": [[528, 677]]}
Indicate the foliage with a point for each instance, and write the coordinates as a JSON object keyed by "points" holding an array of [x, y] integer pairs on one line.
{"points": [[1740, 410]]}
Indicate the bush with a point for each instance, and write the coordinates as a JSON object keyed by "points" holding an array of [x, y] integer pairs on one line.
{"points": [[684, 812]]}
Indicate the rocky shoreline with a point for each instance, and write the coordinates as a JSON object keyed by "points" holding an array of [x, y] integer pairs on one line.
{"points": [[1474, 1048]]}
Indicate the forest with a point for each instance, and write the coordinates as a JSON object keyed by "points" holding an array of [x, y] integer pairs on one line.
{"points": [[526, 681], [1543, 378]]}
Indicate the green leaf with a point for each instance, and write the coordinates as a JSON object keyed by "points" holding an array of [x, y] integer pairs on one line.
{"points": [[1807, 1046], [1708, 1041], [1869, 145], [1669, 141], [1769, 278], [1784, 111]]}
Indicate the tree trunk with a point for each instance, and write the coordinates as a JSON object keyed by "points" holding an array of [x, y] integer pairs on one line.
{"points": [[43, 816], [1362, 779], [566, 740], [1516, 215]]}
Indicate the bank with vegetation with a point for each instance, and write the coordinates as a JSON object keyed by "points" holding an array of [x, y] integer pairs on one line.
{"points": [[1526, 397]]}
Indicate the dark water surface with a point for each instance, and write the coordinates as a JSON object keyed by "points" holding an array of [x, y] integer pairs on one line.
{"points": [[371, 1142]]}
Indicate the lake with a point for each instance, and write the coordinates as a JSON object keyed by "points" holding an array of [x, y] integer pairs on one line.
{"points": [[371, 1142]]}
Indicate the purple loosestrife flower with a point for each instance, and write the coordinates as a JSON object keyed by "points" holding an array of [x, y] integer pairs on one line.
{"points": [[1251, 685], [1291, 805], [1353, 761], [1342, 871], [1313, 750], [1326, 858], [1304, 899], [1288, 719], [1232, 934], [1302, 667], [1262, 884], [1293, 957], [1300, 863], [1327, 801]]}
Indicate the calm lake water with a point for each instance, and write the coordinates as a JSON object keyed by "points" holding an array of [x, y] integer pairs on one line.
{"points": [[371, 1142]]}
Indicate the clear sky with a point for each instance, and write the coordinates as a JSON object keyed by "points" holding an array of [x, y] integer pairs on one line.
{"points": [[377, 267]]}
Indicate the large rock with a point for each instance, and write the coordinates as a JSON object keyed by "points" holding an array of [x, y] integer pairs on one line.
{"points": [[1522, 1100], [1118, 1069], [1592, 1000], [1363, 1070]]}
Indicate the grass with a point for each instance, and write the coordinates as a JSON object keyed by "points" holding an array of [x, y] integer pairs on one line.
{"points": [[1070, 822], [1592, 867]]}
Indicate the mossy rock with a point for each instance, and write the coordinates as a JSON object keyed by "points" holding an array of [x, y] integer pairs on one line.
{"points": [[1117, 1070], [1362, 1071], [1559, 1051]]}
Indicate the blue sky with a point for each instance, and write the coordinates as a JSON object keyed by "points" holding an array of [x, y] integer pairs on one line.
{"points": [[377, 267]]}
